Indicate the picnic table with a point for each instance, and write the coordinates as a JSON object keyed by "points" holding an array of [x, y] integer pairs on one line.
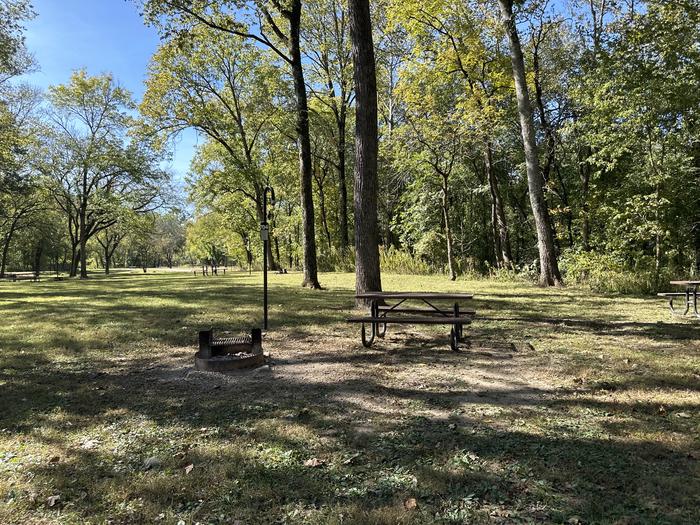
{"points": [[387, 308], [690, 296]]}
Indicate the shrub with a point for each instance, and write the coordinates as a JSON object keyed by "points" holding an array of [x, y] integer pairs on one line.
{"points": [[611, 273], [335, 260], [396, 261]]}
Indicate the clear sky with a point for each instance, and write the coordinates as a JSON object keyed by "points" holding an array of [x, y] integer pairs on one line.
{"points": [[101, 36]]}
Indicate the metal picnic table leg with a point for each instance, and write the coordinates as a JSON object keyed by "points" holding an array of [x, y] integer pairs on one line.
{"points": [[687, 300], [456, 331], [460, 332], [695, 301], [375, 313], [373, 309]]}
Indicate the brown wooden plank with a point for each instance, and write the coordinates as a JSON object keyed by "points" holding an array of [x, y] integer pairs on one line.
{"points": [[448, 313], [415, 295], [410, 320]]}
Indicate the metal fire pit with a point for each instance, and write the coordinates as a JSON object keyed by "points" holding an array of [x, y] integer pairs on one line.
{"points": [[229, 353]]}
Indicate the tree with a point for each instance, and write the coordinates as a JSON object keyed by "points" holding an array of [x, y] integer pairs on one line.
{"points": [[367, 273], [95, 168], [457, 40], [19, 211], [549, 269], [326, 39], [14, 57], [431, 142], [225, 89], [638, 113], [169, 236], [227, 16]]}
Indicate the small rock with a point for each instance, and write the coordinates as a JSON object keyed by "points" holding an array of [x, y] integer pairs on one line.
{"points": [[151, 463], [51, 501], [684, 415], [410, 504], [189, 468]]}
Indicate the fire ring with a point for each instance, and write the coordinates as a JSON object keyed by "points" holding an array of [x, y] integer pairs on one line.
{"points": [[224, 354]]}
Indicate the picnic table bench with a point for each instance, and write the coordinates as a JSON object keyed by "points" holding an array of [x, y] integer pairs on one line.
{"points": [[690, 296], [21, 277], [382, 314]]}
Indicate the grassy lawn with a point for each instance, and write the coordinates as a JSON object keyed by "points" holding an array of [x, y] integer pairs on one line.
{"points": [[568, 407]]}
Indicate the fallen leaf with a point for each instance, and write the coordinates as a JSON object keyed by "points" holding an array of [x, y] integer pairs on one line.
{"points": [[189, 468], [89, 444], [55, 459], [51, 501], [683, 414], [410, 504], [314, 462]]}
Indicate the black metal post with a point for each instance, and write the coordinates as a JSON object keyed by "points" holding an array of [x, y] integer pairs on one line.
{"points": [[265, 233]]}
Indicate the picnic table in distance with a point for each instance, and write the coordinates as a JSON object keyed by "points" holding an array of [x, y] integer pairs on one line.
{"points": [[690, 296], [382, 314]]}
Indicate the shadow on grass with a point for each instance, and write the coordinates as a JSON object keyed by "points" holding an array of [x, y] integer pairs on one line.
{"points": [[546, 476], [488, 451]]}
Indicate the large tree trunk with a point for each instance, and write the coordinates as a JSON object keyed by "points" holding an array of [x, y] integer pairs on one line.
{"points": [[37, 258], [549, 269], [108, 258], [305, 167], [342, 183], [5, 250], [498, 216], [82, 233], [367, 274], [75, 260]]}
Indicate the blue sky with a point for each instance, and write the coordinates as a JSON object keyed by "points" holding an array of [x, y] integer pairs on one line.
{"points": [[101, 36]]}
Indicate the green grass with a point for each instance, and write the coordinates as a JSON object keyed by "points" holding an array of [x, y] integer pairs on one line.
{"points": [[568, 407]]}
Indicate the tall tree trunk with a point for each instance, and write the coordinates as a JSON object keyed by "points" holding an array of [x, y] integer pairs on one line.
{"points": [[500, 227], [448, 230], [305, 167], [367, 273], [108, 258], [83, 244], [342, 183], [75, 260], [37, 258], [549, 269], [5, 250]]}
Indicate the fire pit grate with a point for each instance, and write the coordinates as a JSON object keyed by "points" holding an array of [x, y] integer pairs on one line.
{"points": [[229, 353]]}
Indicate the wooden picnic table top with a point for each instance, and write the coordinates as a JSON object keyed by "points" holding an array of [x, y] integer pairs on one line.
{"points": [[416, 295], [686, 283]]}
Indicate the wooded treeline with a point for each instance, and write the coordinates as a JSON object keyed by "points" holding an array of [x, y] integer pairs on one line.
{"points": [[540, 138]]}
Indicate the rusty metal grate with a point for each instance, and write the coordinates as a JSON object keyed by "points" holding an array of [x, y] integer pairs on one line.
{"points": [[226, 341]]}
